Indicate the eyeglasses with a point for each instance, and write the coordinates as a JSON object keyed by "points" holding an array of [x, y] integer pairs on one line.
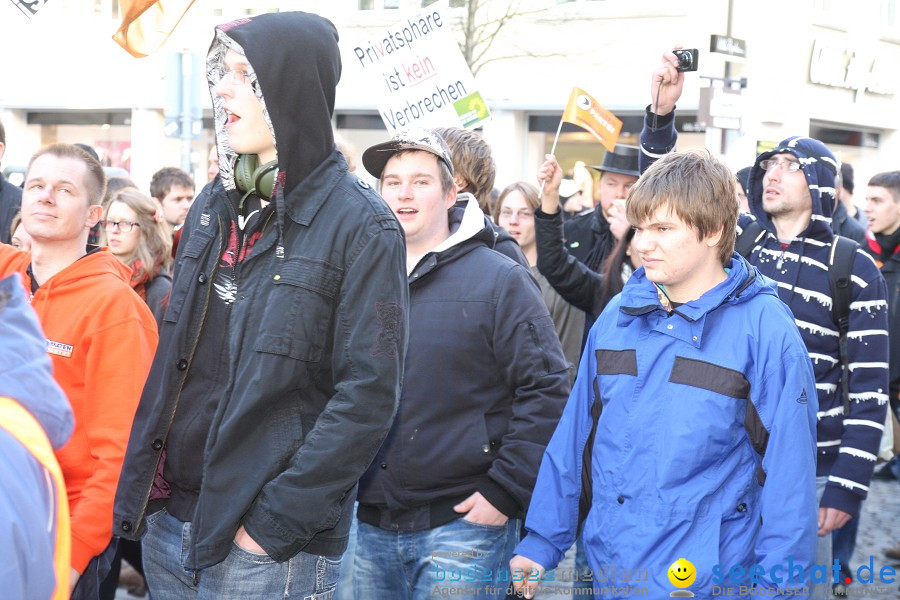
{"points": [[234, 77], [522, 214], [123, 226], [769, 164]]}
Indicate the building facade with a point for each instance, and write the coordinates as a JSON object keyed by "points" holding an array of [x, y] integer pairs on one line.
{"points": [[820, 67]]}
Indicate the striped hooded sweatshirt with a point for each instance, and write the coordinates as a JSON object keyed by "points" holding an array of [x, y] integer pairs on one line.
{"points": [[847, 445]]}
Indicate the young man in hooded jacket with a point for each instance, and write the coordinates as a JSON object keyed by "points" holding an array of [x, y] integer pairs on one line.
{"points": [[654, 452], [283, 342], [485, 381], [792, 195]]}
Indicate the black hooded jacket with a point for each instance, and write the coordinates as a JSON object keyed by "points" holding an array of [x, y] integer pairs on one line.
{"points": [[485, 383], [314, 331]]}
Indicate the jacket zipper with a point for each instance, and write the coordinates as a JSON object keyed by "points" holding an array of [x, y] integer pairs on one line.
{"points": [[537, 342], [193, 347]]}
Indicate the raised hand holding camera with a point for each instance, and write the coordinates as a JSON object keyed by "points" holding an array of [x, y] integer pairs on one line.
{"points": [[688, 60], [666, 84]]}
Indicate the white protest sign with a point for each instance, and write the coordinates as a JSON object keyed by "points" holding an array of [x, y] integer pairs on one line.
{"points": [[419, 76]]}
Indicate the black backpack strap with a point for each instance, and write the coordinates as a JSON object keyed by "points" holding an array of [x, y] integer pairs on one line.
{"points": [[840, 269], [749, 237]]}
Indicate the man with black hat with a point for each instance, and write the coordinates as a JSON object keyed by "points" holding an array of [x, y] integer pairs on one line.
{"points": [[588, 238]]}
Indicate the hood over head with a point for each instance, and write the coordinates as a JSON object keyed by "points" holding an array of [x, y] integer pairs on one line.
{"points": [[295, 68], [819, 166], [25, 370]]}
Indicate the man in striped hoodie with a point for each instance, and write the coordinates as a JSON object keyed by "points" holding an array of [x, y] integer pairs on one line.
{"points": [[792, 195]]}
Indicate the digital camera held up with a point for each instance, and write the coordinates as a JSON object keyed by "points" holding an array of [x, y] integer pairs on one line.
{"points": [[687, 59]]}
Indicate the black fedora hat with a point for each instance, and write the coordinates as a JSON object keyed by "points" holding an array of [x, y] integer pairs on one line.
{"points": [[623, 160]]}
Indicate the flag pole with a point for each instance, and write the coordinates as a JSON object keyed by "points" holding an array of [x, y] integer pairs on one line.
{"points": [[552, 152]]}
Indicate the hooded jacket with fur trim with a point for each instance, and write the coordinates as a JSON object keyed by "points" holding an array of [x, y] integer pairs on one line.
{"points": [[847, 444]]}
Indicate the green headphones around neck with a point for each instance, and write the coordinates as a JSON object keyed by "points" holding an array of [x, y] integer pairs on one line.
{"points": [[251, 178]]}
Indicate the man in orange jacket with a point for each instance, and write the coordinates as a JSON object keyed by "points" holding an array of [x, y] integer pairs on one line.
{"points": [[100, 335]]}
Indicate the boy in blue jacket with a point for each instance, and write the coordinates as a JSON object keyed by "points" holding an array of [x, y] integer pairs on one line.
{"points": [[690, 432]]}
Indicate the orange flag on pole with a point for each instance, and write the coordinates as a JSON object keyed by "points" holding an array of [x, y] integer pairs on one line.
{"points": [[147, 24], [585, 112]]}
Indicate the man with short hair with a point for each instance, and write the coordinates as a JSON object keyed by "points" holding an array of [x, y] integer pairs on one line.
{"points": [[792, 197], [283, 344], [174, 188], [658, 452], [883, 244], [100, 335], [10, 197], [484, 383]]}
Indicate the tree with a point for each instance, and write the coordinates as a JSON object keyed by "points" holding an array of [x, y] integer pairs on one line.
{"points": [[480, 22]]}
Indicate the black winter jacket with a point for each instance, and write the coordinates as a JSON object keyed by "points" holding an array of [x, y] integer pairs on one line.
{"points": [[316, 328], [484, 384], [569, 276]]}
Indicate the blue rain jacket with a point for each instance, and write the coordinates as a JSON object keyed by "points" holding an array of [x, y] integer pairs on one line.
{"points": [[672, 467]]}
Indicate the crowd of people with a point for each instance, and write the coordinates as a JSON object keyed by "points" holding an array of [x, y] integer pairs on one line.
{"points": [[296, 385]]}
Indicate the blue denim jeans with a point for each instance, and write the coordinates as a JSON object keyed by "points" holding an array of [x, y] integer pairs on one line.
{"points": [[843, 543], [241, 576], [345, 582], [470, 559], [584, 582]]}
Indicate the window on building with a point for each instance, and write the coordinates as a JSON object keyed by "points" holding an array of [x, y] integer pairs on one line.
{"points": [[366, 4]]}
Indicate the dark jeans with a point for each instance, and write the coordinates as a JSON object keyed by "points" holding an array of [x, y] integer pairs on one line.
{"points": [[130, 551], [843, 542]]}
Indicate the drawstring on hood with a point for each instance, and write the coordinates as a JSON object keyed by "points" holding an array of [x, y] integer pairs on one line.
{"points": [[298, 103]]}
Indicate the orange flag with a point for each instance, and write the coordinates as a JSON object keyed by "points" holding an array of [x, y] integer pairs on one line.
{"points": [[147, 24], [587, 113]]}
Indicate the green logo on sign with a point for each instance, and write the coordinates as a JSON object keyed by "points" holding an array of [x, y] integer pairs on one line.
{"points": [[471, 109]]}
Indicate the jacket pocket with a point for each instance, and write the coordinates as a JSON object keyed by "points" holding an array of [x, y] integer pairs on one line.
{"points": [[299, 307]]}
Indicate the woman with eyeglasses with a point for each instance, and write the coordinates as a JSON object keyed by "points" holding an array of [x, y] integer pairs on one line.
{"points": [[136, 235]]}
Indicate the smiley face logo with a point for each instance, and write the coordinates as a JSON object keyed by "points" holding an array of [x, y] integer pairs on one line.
{"points": [[682, 573]]}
